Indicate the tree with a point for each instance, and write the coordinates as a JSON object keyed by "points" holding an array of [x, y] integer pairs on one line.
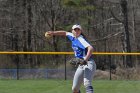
{"points": [[127, 46]]}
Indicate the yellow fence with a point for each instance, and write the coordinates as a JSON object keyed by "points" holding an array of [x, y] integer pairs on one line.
{"points": [[68, 53]]}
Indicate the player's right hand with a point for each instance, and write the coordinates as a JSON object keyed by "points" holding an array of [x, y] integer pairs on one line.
{"points": [[48, 34]]}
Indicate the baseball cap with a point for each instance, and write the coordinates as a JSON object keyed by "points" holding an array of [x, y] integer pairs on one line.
{"points": [[76, 26]]}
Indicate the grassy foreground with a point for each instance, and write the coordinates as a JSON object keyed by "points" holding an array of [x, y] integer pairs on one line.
{"points": [[61, 86]]}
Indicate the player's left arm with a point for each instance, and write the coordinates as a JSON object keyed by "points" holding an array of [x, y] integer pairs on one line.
{"points": [[89, 53]]}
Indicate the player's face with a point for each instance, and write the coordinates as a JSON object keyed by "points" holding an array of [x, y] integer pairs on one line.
{"points": [[76, 32]]}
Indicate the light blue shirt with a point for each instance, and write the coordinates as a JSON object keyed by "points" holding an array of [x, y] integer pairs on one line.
{"points": [[79, 45]]}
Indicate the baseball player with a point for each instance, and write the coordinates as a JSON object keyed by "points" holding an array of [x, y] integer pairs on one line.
{"points": [[83, 50]]}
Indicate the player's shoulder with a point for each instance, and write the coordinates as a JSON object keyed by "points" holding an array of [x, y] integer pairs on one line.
{"points": [[81, 38]]}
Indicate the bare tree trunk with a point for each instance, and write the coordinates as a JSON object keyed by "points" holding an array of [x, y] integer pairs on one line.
{"points": [[15, 39], [29, 30], [127, 46]]}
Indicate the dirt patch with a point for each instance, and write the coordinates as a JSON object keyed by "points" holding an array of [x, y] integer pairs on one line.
{"points": [[104, 75]]}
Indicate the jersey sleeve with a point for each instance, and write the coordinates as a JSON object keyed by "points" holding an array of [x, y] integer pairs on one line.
{"points": [[69, 36], [83, 43]]}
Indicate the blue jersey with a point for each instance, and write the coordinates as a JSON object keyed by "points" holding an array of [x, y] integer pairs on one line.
{"points": [[79, 45]]}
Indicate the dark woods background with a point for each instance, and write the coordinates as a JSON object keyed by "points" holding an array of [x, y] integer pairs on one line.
{"points": [[110, 26]]}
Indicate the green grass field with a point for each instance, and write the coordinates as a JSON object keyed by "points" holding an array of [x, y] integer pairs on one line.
{"points": [[61, 86]]}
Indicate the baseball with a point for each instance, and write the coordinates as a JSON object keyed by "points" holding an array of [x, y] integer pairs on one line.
{"points": [[47, 35]]}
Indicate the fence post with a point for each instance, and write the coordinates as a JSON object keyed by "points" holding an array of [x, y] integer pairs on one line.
{"points": [[110, 78], [65, 68]]}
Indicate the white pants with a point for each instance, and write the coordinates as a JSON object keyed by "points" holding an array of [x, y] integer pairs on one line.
{"points": [[84, 74]]}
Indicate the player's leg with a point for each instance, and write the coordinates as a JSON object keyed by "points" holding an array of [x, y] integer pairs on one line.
{"points": [[89, 71], [77, 92], [77, 80]]}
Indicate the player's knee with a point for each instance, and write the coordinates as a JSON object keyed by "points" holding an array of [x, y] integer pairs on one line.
{"points": [[87, 83]]}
